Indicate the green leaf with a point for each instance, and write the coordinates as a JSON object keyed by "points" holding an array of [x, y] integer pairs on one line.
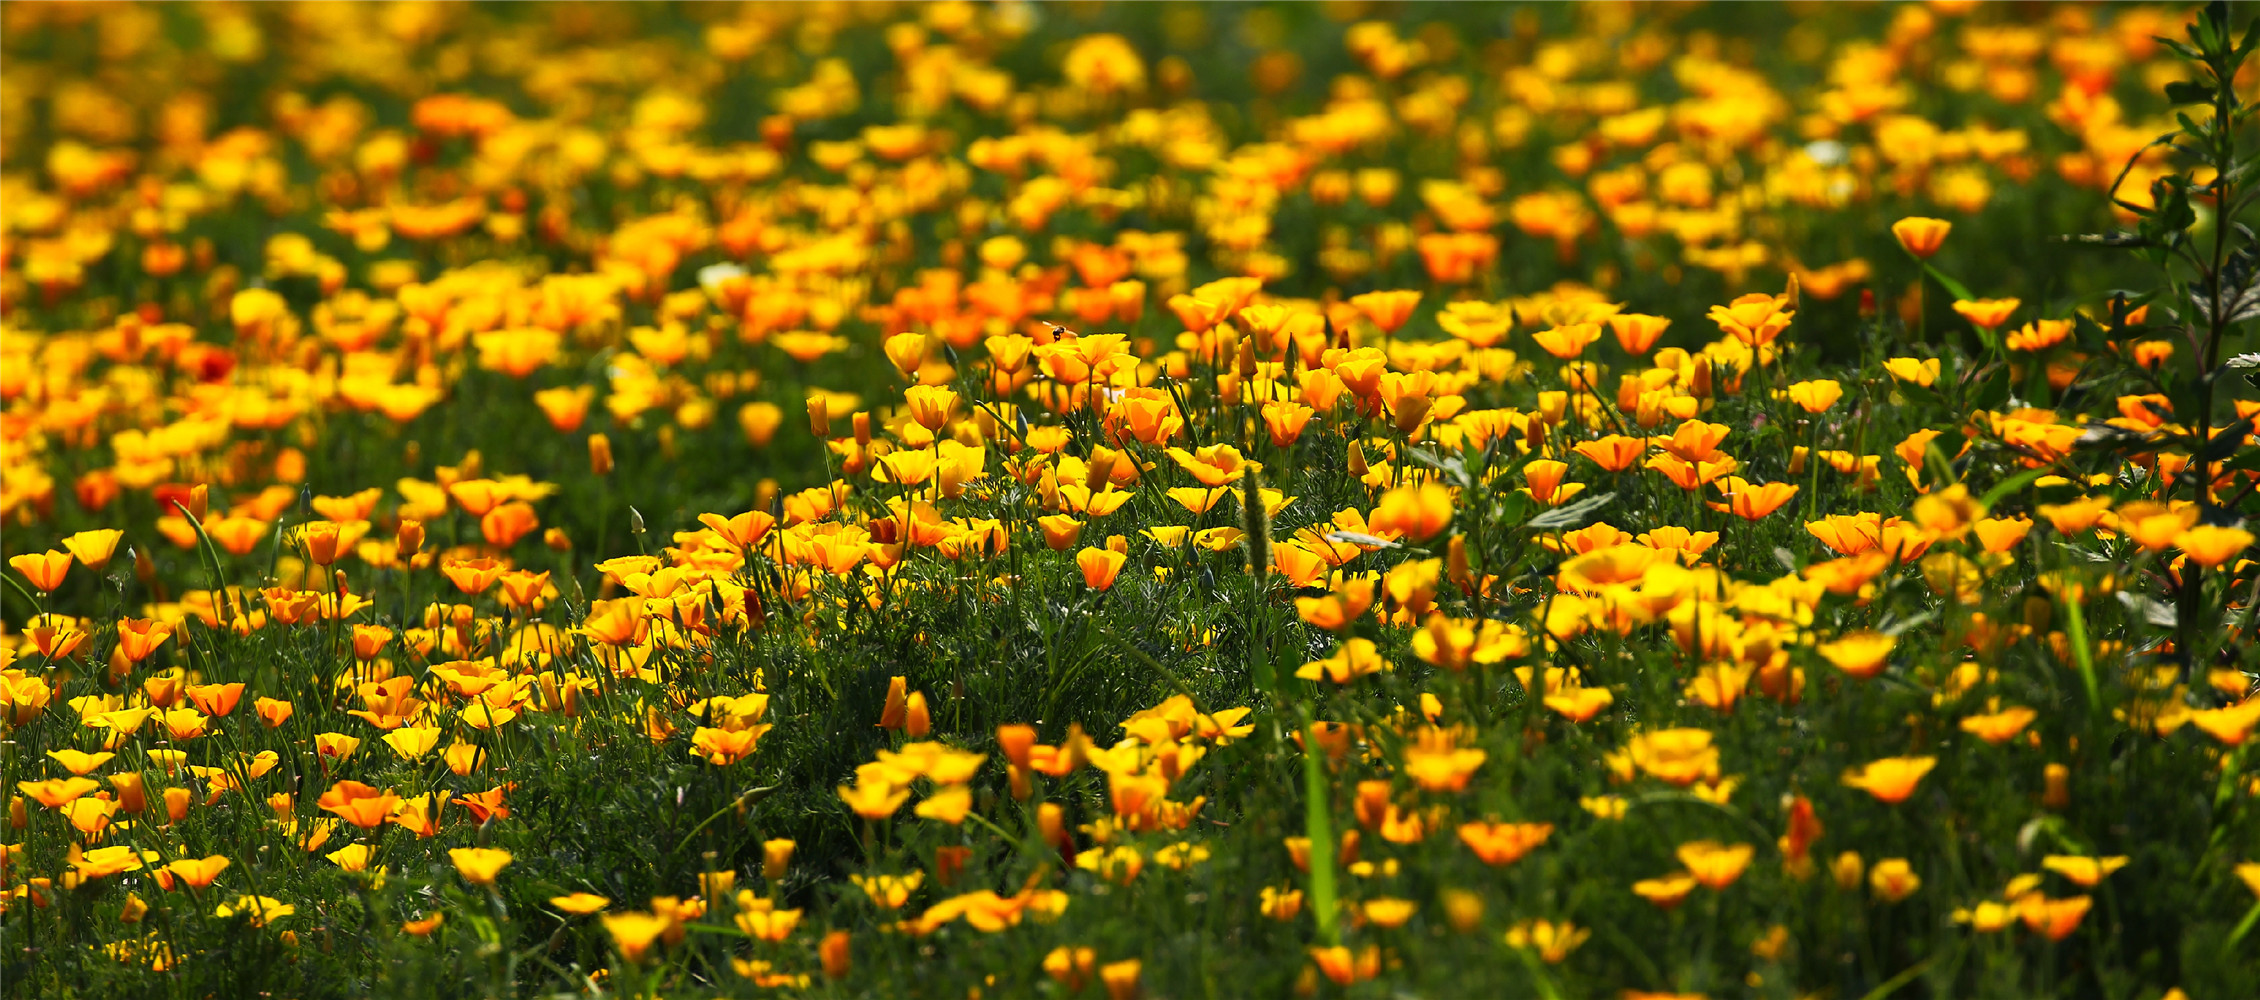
{"points": [[2075, 634], [2012, 485], [2211, 29], [2251, 916], [2149, 609], [1361, 538], [1451, 466], [1992, 388], [2247, 461], [1934, 459], [1514, 507], [1573, 516], [2176, 215], [1318, 825], [2104, 437], [1953, 287], [1899, 627], [1905, 976], [2189, 92], [2226, 442]]}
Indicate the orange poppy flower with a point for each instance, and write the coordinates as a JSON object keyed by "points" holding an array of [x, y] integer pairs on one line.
{"points": [[1755, 319], [237, 534], [2000, 534], [1713, 864], [1804, 828], [477, 496], [505, 525], [1894, 879], [45, 570], [2038, 335], [1099, 566], [2210, 545], [1999, 727], [199, 873], [216, 700], [94, 547], [1545, 477], [635, 932], [479, 865], [1212, 465], [1753, 501], [1614, 452], [1986, 314], [1666, 892], [2054, 919], [2084, 872], [1416, 512], [140, 637], [1567, 342], [1580, 704], [1921, 236], [1500, 844], [1285, 421], [616, 623], [1388, 310], [359, 804], [55, 793], [1816, 395], [472, 576], [1636, 333], [1892, 779]]}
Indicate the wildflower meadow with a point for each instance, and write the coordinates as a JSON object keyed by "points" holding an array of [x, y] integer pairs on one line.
{"points": [[994, 500]]}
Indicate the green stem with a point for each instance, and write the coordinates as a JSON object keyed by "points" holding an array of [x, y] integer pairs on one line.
{"points": [[1891, 985], [749, 797], [2243, 927], [2075, 633], [1318, 825]]}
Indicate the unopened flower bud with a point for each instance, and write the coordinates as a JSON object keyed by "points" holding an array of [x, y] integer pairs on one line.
{"points": [[916, 722], [600, 455], [1847, 870], [819, 417], [776, 858], [835, 955]]}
